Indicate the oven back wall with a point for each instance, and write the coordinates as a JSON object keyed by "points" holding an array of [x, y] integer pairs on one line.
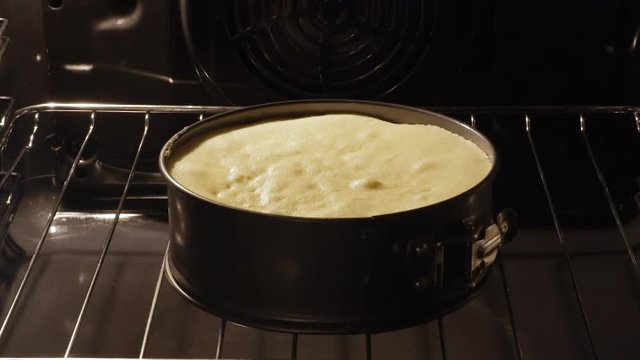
{"points": [[476, 52]]}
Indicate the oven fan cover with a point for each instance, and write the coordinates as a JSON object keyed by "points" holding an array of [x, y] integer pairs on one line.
{"points": [[310, 49]]}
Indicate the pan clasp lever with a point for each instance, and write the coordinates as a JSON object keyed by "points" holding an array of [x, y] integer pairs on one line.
{"points": [[485, 250]]}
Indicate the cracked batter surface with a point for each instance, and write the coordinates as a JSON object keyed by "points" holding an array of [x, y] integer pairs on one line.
{"points": [[329, 166]]}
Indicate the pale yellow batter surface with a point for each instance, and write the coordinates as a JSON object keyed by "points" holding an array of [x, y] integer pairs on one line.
{"points": [[337, 165]]}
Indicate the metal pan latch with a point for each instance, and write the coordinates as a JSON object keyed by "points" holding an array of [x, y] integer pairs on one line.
{"points": [[485, 250]]}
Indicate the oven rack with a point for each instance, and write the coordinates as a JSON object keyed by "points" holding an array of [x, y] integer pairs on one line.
{"points": [[4, 40], [147, 113], [6, 102]]}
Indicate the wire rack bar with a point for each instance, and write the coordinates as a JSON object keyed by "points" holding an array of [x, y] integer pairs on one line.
{"points": [[507, 295], [4, 40], [156, 294], [122, 108], [519, 110], [25, 149], [142, 108], [443, 342], [3, 25], [294, 346], [107, 241], [472, 120], [5, 126], [40, 243], [367, 346], [561, 238], [505, 286], [154, 302], [221, 331], [607, 194], [7, 109]]}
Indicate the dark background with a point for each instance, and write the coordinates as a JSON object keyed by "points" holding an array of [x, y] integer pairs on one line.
{"points": [[490, 52]]}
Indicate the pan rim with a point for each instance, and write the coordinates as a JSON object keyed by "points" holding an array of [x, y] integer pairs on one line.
{"points": [[166, 151]]}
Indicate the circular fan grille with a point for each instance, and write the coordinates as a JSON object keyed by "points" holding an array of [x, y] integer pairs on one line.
{"points": [[332, 48]]}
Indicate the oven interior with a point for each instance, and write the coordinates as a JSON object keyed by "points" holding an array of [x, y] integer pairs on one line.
{"points": [[83, 222]]}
